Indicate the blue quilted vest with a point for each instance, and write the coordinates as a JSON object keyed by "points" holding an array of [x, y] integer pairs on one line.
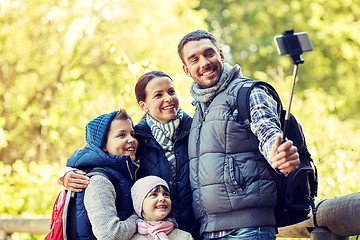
{"points": [[122, 173]]}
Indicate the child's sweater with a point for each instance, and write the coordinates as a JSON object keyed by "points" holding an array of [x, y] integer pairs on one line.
{"points": [[102, 211]]}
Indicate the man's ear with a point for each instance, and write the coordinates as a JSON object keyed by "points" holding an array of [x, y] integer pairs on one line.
{"points": [[222, 56], [143, 106], [186, 70]]}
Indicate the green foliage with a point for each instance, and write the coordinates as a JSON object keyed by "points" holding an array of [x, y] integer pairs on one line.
{"points": [[248, 27], [325, 93], [64, 62], [332, 143], [28, 188]]}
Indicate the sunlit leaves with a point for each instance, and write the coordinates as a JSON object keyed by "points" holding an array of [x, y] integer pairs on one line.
{"points": [[27, 188], [64, 62]]}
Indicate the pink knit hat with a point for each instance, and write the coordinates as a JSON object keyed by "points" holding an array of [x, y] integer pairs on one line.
{"points": [[141, 188]]}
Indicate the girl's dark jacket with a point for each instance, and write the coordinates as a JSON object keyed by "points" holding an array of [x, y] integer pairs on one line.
{"points": [[153, 162], [122, 172]]}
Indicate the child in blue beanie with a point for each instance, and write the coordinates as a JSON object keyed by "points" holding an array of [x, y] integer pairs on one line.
{"points": [[104, 211]]}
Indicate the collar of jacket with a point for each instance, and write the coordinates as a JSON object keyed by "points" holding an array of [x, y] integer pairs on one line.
{"points": [[143, 129]]}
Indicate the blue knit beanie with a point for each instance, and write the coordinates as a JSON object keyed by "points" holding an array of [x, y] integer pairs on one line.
{"points": [[97, 129]]}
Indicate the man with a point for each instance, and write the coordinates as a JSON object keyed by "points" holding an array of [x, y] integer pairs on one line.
{"points": [[233, 192]]}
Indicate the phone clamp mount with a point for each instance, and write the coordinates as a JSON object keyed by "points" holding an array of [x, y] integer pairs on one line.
{"points": [[293, 46]]}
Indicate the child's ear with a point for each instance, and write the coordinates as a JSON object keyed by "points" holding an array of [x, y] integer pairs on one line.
{"points": [[105, 150], [143, 106]]}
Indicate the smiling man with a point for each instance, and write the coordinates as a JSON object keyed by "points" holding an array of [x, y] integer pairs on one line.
{"points": [[204, 62], [234, 194]]}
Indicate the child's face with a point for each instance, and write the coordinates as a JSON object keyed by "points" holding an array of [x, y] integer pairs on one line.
{"points": [[121, 139], [157, 204]]}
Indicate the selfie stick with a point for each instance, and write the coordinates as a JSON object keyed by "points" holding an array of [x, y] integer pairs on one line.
{"points": [[293, 46], [287, 114]]}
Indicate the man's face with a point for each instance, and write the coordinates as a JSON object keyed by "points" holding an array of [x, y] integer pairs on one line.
{"points": [[203, 62]]}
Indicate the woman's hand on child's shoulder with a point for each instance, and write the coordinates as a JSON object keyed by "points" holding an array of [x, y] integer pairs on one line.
{"points": [[76, 180]]}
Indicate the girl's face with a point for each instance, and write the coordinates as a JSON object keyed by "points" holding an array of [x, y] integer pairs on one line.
{"points": [[157, 204], [161, 101], [121, 139]]}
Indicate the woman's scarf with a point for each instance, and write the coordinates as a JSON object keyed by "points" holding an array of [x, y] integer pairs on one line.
{"points": [[164, 134], [158, 231], [205, 95]]}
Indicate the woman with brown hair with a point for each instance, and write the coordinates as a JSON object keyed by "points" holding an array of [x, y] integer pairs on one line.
{"points": [[163, 146]]}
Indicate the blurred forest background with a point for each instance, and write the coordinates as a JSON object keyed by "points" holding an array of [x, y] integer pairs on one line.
{"points": [[64, 62]]}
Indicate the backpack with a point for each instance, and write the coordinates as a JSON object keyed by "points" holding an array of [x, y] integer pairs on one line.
{"points": [[296, 190], [63, 218]]}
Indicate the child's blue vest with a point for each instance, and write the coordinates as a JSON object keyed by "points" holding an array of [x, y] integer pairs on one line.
{"points": [[119, 170]]}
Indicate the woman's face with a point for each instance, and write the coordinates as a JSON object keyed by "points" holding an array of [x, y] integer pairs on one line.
{"points": [[161, 101]]}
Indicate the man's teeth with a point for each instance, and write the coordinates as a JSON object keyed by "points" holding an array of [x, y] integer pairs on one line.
{"points": [[130, 149], [170, 107], [208, 72]]}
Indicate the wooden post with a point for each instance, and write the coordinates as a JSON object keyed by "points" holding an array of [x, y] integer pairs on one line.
{"points": [[341, 215], [3, 235], [325, 234]]}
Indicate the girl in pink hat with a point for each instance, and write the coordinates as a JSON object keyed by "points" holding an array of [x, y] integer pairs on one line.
{"points": [[152, 203]]}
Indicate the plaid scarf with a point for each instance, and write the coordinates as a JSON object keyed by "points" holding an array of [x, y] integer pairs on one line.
{"points": [[164, 134]]}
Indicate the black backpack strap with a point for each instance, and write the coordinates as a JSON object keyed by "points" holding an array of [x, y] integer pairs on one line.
{"points": [[243, 96], [243, 104], [243, 107], [71, 219]]}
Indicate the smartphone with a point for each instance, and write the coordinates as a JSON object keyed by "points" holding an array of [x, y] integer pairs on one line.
{"points": [[303, 38]]}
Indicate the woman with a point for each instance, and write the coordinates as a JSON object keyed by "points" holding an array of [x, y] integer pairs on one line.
{"points": [[163, 139]]}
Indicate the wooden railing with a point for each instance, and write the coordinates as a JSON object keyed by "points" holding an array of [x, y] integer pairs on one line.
{"points": [[39, 224], [337, 219]]}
